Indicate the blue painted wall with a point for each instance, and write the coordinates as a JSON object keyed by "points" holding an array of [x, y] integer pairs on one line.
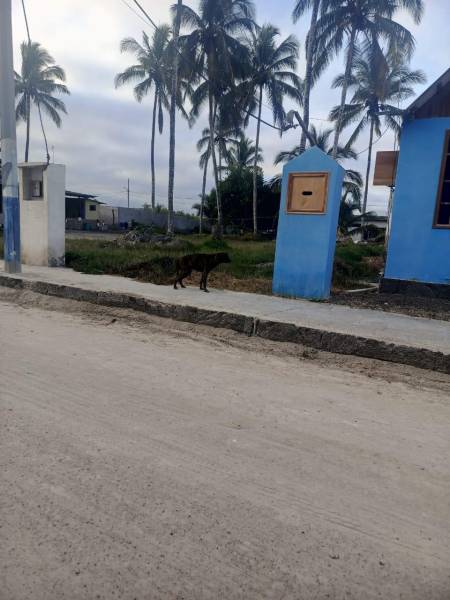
{"points": [[306, 243], [416, 251]]}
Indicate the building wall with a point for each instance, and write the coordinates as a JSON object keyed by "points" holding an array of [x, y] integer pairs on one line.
{"points": [[182, 224], [416, 250], [91, 215], [42, 221]]}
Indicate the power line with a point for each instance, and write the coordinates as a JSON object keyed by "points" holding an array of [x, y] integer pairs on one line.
{"points": [[134, 11], [373, 144], [26, 22], [38, 104]]}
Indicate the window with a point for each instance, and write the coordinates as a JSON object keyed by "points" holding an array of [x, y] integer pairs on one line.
{"points": [[36, 189], [92, 207], [442, 217]]}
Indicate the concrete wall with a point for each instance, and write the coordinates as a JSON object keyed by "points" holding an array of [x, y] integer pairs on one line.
{"points": [[416, 250], [306, 242], [42, 221], [182, 224]]}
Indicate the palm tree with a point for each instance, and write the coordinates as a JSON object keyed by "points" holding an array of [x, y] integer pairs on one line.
{"points": [[149, 73], [272, 68], [204, 146], [243, 153], [301, 6], [342, 22], [174, 89], [379, 83], [38, 80], [218, 55], [322, 138], [223, 139]]}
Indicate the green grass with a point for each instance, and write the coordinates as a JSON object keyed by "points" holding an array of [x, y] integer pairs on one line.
{"points": [[92, 256], [250, 259], [357, 262]]}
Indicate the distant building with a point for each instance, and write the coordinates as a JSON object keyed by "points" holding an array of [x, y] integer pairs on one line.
{"points": [[375, 226], [419, 241], [82, 206]]}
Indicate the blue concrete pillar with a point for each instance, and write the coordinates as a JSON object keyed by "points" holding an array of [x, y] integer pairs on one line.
{"points": [[306, 240], [11, 233]]}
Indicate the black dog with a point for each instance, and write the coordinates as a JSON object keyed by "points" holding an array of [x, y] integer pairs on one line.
{"points": [[204, 263]]}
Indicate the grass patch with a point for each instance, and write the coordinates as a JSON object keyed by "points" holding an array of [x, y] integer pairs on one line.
{"points": [[354, 263], [251, 267], [249, 259]]}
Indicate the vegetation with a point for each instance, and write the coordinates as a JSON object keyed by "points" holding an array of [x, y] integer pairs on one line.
{"points": [[251, 268], [230, 65], [379, 83], [36, 84], [219, 56], [343, 22], [272, 72], [149, 73]]}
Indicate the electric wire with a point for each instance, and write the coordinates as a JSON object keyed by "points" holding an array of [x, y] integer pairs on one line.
{"points": [[38, 104]]}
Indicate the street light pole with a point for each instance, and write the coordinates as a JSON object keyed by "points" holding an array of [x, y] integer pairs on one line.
{"points": [[11, 215]]}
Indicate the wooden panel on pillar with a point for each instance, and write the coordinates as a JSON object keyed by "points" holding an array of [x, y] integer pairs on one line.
{"points": [[385, 168], [307, 193]]}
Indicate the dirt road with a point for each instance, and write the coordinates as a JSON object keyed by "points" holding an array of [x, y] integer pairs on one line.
{"points": [[151, 460]]}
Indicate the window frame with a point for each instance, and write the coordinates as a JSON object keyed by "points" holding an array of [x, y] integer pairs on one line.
{"points": [[445, 158]]}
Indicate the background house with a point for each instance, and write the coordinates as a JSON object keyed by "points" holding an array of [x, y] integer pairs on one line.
{"points": [[419, 241], [82, 206]]}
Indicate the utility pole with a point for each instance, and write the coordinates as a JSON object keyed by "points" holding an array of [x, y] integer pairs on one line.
{"points": [[128, 193], [8, 144], [173, 106]]}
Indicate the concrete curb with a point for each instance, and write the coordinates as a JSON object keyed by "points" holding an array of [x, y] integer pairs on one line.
{"points": [[339, 343]]}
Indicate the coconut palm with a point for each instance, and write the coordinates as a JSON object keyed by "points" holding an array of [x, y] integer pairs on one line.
{"points": [[272, 73], [224, 138], [174, 92], [149, 74], [243, 153], [301, 6], [204, 144], [212, 46], [39, 79], [322, 139], [343, 22], [379, 82]]}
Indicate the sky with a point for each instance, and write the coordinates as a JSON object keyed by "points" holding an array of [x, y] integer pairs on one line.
{"points": [[105, 137]]}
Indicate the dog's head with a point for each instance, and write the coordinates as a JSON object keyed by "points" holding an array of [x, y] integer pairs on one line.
{"points": [[223, 257]]}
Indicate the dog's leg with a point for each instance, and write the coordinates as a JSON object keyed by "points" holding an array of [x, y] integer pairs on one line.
{"points": [[205, 280]]}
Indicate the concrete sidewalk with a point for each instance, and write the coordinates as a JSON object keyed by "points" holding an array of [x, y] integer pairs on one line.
{"points": [[398, 338]]}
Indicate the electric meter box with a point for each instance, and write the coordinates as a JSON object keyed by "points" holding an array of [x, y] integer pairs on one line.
{"points": [[42, 190], [307, 225]]}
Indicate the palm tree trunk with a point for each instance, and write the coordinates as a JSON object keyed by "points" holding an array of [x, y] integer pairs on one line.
{"points": [[255, 166], [152, 151], [173, 104], [308, 75], [366, 186], [27, 142], [348, 72], [43, 133], [202, 205], [214, 160]]}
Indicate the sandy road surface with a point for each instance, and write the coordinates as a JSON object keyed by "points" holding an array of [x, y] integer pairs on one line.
{"points": [[143, 460]]}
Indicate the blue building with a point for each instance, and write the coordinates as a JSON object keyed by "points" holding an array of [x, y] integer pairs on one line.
{"points": [[418, 258]]}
